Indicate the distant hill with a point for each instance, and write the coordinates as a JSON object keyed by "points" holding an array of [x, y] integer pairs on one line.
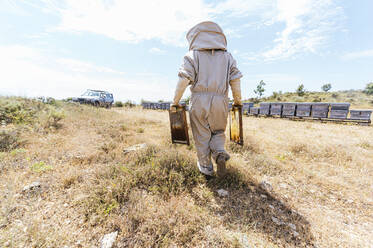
{"points": [[357, 98]]}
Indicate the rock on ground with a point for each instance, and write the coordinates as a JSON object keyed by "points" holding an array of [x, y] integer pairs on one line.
{"points": [[222, 192], [32, 186], [266, 186], [134, 148], [108, 240]]}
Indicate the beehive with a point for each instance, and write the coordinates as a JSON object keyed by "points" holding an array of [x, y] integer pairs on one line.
{"points": [[303, 109], [288, 108], [320, 110]]}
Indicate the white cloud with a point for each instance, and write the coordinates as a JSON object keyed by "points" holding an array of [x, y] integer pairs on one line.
{"points": [[304, 26], [156, 50], [81, 66], [133, 21], [30, 72], [358, 55], [308, 25], [164, 20]]}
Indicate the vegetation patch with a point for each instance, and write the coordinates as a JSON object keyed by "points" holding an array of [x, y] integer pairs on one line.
{"points": [[9, 139], [40, 167], [164, 173]]}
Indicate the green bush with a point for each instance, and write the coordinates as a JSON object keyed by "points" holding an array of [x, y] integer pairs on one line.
{"points": [[53, 119], [17, 110], [326, 87], [118, 104], [369, 89], [301, 90], [129, 104], [40, 167], [9, 140]]}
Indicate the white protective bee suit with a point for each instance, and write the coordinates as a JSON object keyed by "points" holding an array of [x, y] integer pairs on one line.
{"points": [[209, 70]]}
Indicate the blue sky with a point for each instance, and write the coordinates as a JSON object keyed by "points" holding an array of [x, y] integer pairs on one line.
{"points": [[134, 48]]}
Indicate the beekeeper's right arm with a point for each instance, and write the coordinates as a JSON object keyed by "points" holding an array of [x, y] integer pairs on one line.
{"points": [[180, 88], [187, 76]]}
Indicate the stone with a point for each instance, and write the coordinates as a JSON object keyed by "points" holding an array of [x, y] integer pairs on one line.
{"points": [[292, 226], [32, 187], [295, 234], [283, 185], [109, 239], [222, 192], [277, 221], [266, 186], [134, 148]]}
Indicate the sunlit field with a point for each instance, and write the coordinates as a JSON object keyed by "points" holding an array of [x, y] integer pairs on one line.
{"points": [[292, 184]]}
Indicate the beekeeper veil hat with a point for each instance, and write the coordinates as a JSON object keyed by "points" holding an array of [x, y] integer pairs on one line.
{"points": [[205, 36]]}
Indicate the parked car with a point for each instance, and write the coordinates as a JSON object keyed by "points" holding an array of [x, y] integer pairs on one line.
{"points": [[97, 98]]}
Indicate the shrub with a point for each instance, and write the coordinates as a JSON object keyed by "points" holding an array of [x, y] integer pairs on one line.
{"points": [[18, 111], [129, 104], [118, 104], [369, 89], [53, 119], [326, 87], [9, 140], [260, 89], [40, 167], [140, 130], [300, 90], [163, 173]]}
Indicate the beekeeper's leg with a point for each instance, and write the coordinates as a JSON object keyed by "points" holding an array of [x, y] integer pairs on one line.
{"points": [[202, 136], [218, 122]]}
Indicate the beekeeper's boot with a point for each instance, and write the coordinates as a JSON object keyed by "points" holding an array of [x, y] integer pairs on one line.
{"points": [[221, 160], [206, 170]]}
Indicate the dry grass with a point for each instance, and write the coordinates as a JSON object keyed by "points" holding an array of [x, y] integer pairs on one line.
{"points": [[321, 177], [357, 98]]}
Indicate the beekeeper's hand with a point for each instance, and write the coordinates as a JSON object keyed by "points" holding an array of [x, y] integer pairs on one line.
{"points": [[180, 88], [236, 91]]}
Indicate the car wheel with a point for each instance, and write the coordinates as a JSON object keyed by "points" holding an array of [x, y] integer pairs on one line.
{"points": [[97, 104]]}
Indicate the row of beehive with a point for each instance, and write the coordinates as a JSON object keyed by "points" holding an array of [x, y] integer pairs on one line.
{"points": [[156, 105], [166, 105], [245, 106], [314, 110]]}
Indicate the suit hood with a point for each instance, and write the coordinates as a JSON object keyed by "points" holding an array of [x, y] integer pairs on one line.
{"points": [[206, 36]]}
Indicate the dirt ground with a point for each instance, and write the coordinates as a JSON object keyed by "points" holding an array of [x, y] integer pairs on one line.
{"points": [[293, 184]]}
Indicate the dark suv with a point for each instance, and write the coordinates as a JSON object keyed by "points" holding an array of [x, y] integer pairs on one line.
{"points": [[97, 98]]}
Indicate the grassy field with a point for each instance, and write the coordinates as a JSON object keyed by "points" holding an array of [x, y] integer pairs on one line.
{"points": [[293, 184]]}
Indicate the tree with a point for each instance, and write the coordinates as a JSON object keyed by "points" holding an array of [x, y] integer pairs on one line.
{"points": [[326, 87], [369, 89], [300, 90], [260, 89]]}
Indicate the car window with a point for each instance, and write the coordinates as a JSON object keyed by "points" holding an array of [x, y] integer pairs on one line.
{"points": [[86, 93]]}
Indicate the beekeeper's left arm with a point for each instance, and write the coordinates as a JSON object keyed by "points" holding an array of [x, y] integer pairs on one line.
{"points": [[236, 90], [235, 76]]}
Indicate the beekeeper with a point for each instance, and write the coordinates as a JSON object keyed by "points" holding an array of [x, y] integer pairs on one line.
{"points": [[209, 70]]}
